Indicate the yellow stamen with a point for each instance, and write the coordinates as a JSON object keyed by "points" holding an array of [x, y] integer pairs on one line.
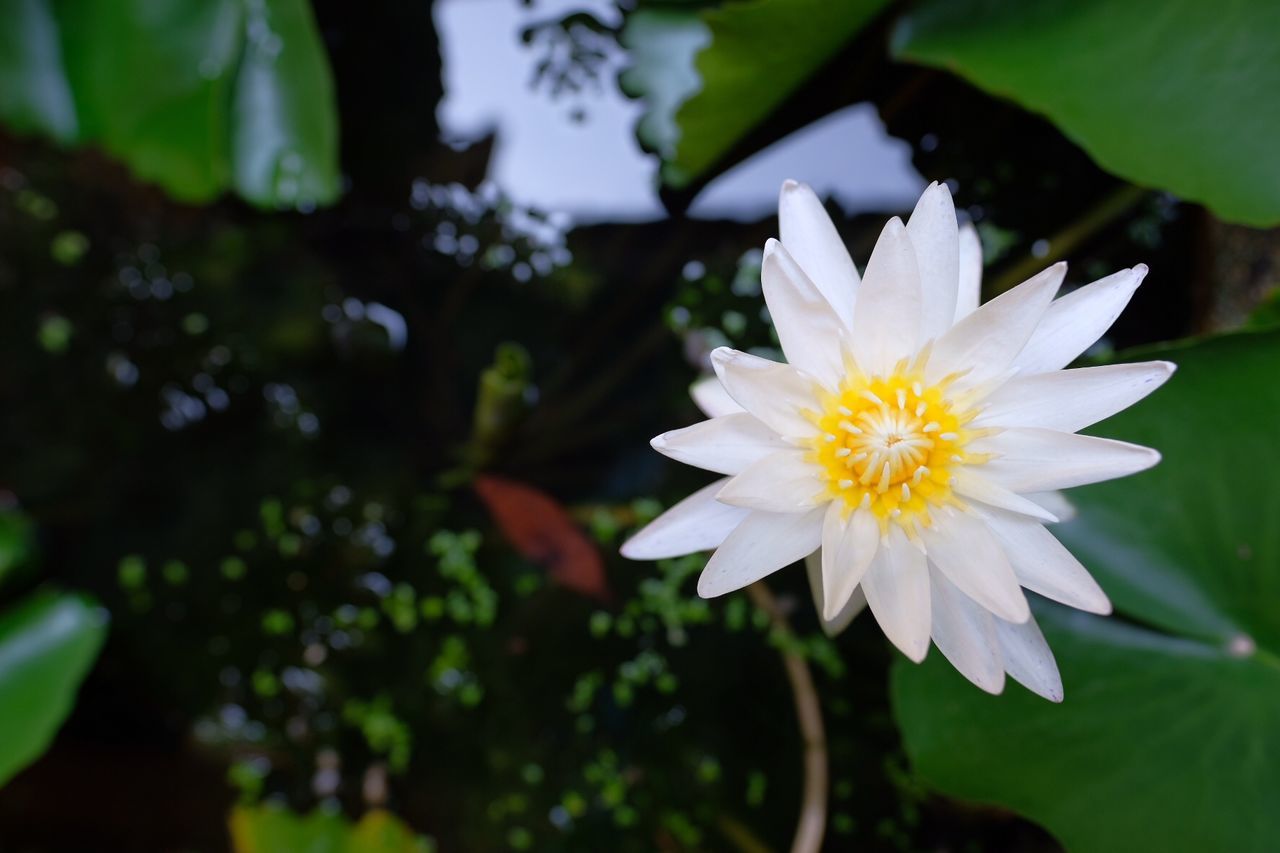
{"points": [[892, 444]]}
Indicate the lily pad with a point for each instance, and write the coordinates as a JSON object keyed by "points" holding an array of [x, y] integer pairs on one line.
{"points": [[1167, 738], [47, 645], [1173, 94]]}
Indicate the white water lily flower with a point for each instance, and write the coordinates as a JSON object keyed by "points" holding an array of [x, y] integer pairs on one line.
{"points": [[910, 448]]}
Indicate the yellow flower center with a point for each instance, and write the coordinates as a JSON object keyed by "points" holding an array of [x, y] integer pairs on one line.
{"points": [[891, 444]]}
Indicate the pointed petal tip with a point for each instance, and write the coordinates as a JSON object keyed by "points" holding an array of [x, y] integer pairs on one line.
{"points": [[795, 192], [658, 442], [1140, 270], [937, 188], [629, 550], [770, 246], [1021, 611], [1092, 600], [916, 655], [995, 688]]}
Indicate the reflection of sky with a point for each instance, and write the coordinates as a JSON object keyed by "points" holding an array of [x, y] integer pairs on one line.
{"points": [[594, 170]]}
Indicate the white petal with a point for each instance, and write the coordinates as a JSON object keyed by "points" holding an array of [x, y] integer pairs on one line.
{"points": [[1070, 400], [783, 481], [977, 487], [965, 633], [1039, 460], [709, 395], [970, 292], [1044, 565], [1028, 659], [810, 331], [935, 237], [985, 342], [886, 325], [1055, 502], [813, 241], [854, 606], [1073, 323], [697, 523], [965, 550], [726, 445], [759, 546], [897, 590], [777, 394], [847, 551]]}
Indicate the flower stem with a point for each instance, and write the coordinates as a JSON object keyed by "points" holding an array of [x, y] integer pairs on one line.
{"points": [[812, 823]]}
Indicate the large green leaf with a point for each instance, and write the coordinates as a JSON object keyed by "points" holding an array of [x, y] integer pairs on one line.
{"points": [[1174, 94], [1168, 738], [761, 51], [47, 644], [151, 82], [1162, 743], [199, 96]]}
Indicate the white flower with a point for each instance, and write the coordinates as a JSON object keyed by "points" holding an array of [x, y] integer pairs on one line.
{"points": [[907, 448]]}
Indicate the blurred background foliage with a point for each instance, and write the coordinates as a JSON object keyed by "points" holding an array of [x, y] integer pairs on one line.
{"points": [[314, 463]]}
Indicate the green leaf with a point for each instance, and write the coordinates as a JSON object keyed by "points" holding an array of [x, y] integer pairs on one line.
{"points": [[198, 96], [159, 105], [267, 829], [47, 645], [1173, 94], [761, 52], [1193, 546], [1162, 743], [1167, 738], [285, 137]]}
